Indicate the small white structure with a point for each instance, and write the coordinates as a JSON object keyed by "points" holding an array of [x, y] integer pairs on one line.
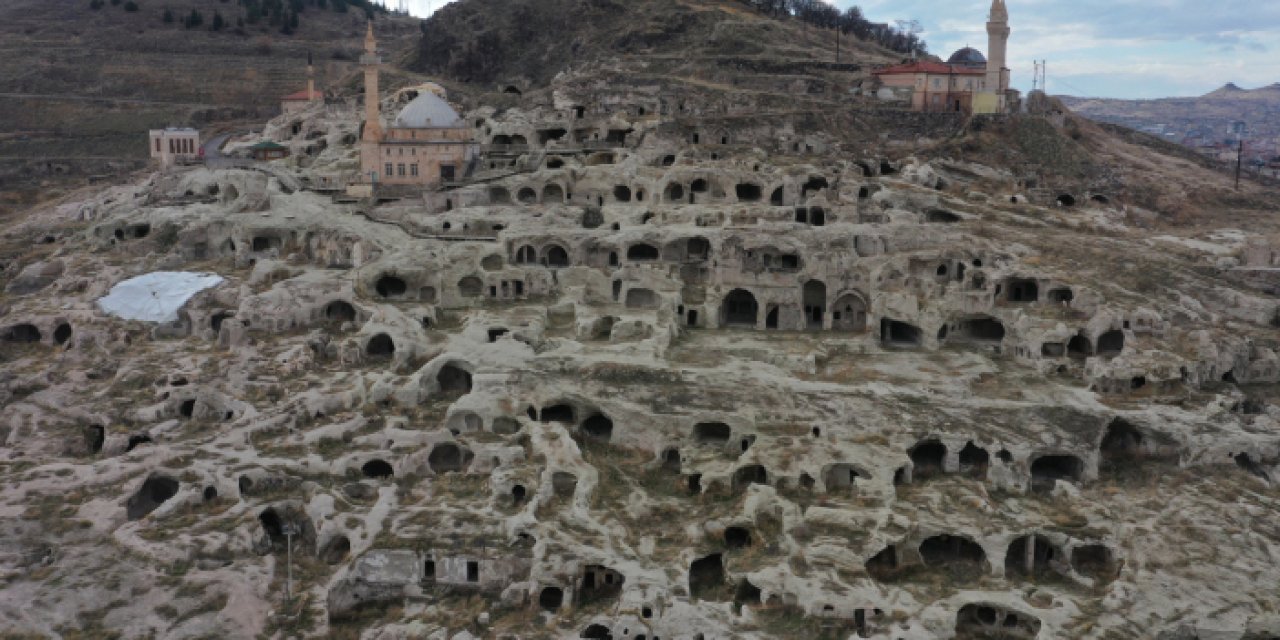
{"points": [[156, 297], [173, 145]]}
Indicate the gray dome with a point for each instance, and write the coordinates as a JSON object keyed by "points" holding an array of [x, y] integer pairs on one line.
{"points": [[968, 57], [427, 111]]}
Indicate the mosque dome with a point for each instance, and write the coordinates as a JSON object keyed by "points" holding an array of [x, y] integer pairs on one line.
{"points": [[968, 57], [428, 110]]}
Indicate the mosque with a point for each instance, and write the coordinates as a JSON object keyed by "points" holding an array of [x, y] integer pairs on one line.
{"points": [[966, 83], [428, 142]]}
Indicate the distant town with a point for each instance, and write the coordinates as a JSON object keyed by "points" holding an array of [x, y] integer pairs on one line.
{"points": [[1214, 125]]}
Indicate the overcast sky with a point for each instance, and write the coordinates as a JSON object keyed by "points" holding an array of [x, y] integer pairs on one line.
{"points": [[1104, 48]]}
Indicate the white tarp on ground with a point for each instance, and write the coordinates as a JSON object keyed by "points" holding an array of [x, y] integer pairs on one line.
{"points": [[156, 297]]}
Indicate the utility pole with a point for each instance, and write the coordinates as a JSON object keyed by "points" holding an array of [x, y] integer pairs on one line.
{"points": [[1239, 161], [837, 44], [289, 530]]}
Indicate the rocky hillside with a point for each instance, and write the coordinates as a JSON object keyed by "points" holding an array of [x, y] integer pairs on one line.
{"points": [[79, 86], [701, 346], [525, 43]]}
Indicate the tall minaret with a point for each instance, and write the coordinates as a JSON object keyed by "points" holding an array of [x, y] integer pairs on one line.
{"points": [[372, 118], [997, 47], [311, 78]]}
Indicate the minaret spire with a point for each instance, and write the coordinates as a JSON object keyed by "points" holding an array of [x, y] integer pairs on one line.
{"points": [[997, 80], [372, 137]]}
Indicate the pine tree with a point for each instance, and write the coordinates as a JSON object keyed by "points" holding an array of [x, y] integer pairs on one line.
{"points": [[217, 21]]}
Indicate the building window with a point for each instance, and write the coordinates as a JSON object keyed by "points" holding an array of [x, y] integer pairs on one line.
{"points": [[937, 83], [400, 169], [389, 172], [413, 170], [446, 171], [388, 150]]}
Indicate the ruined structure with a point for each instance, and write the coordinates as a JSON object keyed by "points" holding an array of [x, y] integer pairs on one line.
{"points": [[688, 354]]}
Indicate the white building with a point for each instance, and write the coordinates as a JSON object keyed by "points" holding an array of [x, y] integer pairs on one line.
{"points": [[173, 145]]}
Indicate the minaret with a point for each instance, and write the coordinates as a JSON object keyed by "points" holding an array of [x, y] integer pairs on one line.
{"points": [[372, 118], [997, 47], [311, 78]]}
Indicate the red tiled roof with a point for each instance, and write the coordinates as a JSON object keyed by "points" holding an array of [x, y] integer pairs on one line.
{"points": [[929, 67], [302, 95]]}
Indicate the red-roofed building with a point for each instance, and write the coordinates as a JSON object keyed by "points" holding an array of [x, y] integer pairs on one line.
{"points": [[934, 86], [299, 100], [966, 83]]}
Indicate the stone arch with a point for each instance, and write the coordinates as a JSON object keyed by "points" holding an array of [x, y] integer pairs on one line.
{"points": [[983, 620], [673, 193], [642, 252], [739, 309], [62, 333], [24, 333], [737, 537], [492, 262], [335, 550], [598, 427], [841, 476], [717, 433], [815, 303], [377, 468], [896, 333], [555, 255], [380, 346], [1095, 560], [448, 457], [527, 195], [927, 458], [454, 379], [622, 193], [155, 491], [499, 195], [526, 254], [750, 474], [1029, 555], [557, 413], [706, 576], [813, 185], [778, 197], [551, 598], [849, 313], [553, 193], [340, 311], [390, 286], [974, 460], [748, 192], [470, 287], [1110, 343], [946, 549], [1046, 470], [1079, 347]]}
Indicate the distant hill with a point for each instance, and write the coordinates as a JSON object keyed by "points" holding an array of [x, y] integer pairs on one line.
{"points": [[1209, 117]]}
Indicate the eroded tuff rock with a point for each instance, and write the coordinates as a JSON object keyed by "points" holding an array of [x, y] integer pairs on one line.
{"points": [[649, 372]]}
